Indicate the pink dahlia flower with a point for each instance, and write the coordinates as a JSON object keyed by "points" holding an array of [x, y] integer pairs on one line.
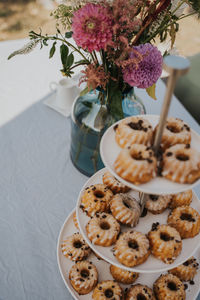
{"points": [[148, 70], [92, 27]]}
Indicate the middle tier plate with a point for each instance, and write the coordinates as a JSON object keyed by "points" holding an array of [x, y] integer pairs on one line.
{"points": [[152, 265]]}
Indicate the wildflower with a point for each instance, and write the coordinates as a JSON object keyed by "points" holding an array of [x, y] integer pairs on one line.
{"points": [[92, 27], [95, 76], [148, 70]]}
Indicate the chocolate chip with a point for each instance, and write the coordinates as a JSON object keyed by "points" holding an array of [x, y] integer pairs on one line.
{"points": [[155, 226], [192, 282], [160, 169], [169, 154], [136, 126], [187, 127], [187, 217], [187, 146], [144, 213], [185, 286], [149, 160], [153, 197], [115, 127], [182, 157]]}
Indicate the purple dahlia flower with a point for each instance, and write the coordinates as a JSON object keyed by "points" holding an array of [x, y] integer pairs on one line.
{"points": [[147, 72]]}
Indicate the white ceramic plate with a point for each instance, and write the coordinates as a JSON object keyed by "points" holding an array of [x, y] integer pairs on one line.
{"points": [[109, 150], [65, 264], [152, 264]]}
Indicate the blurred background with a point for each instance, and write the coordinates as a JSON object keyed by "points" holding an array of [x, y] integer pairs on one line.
{"points": [[18, 17]]}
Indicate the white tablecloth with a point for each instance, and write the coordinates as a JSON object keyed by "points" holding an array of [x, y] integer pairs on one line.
{"points": [[38, 183]]}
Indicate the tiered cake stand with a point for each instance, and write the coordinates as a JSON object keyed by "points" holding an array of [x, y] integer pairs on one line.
{"points": [[152, 268]]}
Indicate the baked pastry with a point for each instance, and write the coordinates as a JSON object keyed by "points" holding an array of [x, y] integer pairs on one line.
{"points": [[123, 276], [116, 187], [75, 220], [103, 229], [181, 199], [133, 130], [107, 289], [132, 248], [157, 204], [181, 164], [75, 248], [169, 287], [186, 220], [140, 292], [125, 209], [83, 277], [165, 242], [187, 270], [137, 164], [175, 132], [96, 198]]}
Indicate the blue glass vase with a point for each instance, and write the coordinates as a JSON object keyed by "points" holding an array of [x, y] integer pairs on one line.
{"points": [[89, 120]]}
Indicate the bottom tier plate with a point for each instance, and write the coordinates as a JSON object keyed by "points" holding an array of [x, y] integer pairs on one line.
{"points": [[65, 264]]}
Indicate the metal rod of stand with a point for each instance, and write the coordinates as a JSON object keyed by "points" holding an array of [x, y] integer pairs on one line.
{"points": [[165, 109], [175, 66]]}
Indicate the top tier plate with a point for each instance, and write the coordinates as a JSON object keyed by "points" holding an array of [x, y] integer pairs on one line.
{"points": [[109, 150]]}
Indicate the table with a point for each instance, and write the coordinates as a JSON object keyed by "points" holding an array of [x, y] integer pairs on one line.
{"points": [[39, 185]]}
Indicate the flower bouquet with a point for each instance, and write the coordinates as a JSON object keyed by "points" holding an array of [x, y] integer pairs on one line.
{"points": [[115, 42]]}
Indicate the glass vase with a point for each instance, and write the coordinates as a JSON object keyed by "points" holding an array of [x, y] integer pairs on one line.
{"points": [[89, 120]]}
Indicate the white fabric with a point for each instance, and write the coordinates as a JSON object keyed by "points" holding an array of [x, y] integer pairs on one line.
{"points": [[38, 183]]}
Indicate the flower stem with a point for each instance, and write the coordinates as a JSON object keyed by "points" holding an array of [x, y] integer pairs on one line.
{"points": [[63, 40], [95, 56], [166, 26]]}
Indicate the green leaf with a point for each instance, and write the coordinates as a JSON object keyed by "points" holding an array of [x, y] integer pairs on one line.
{"points": [[68, 35], [82, 61], [115, 100], [85, 91], [45, 42], [69, 61], [151, 91], [172, 33], [52, 50], [64, 53], [67, 72]]}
